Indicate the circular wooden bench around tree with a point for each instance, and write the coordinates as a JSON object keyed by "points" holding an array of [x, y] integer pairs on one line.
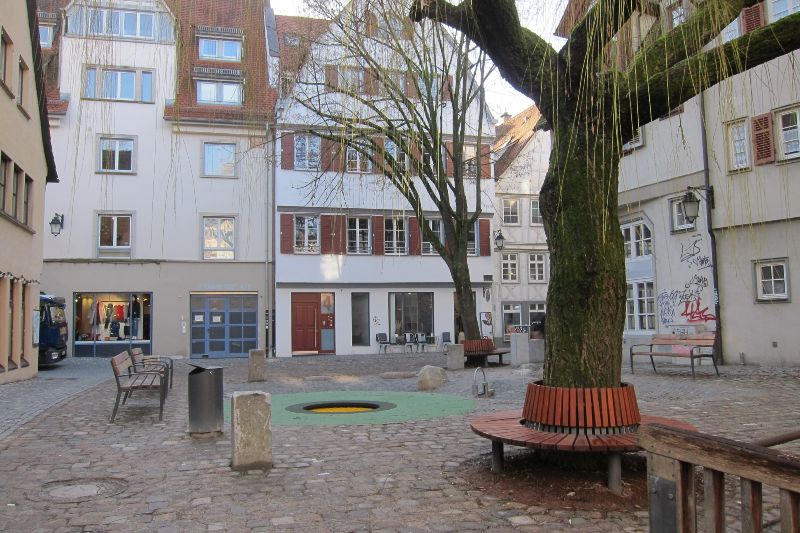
{"points": [[564, 419]]}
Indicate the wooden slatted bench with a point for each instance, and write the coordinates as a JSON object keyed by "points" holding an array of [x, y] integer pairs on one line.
{"points": [[129, 380], [700, 345], [565, 419], [483, 349]]}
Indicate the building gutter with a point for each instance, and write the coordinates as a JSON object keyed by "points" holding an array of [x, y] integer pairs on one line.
{"points": [[710, 228]]}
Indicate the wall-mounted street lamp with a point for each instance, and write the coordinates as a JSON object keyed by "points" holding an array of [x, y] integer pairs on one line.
{"points": [[690, 204], [499, 240], [57, 224]]}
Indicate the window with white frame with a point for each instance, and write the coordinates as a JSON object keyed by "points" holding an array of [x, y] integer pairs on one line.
{"points": [[436, 228], [731, 31], [306, 234], [5, 57], [357, 158], [392, 149], [536, 212], [117, 154], [508, 267], [46, 34], [638, 240], [218, 237], [114, 233], [679, 222], [116, 23], [306, 152], [26, 200], [536, 266], [472, 243], [789, 139], [291, 39], [510, 211], [676, 15], [351, 79], [512, 317], [358, 235], [782, 8], [772, 279], [394, 236], [536, 311], [392, 82], [428, 158], [636, 141], [221, 49], [117, 84], [219, 159], [738, 157], [22, 82], [470, 155], [219, 92], [640, 314]]}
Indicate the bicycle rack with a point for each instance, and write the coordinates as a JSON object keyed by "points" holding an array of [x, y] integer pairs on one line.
{"points": [[481, 389]]}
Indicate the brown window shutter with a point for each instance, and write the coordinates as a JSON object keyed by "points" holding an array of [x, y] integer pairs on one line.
{"points": [[483, 230], [377, 235], [411, 86], [449, 162], [332, 153], [416, 159], [287, 151], [447, 90], [408, 28], [287, 233], [414, 242], [340, 234], [372, 24], [752, 17], [486, 161], [326, 234], [370, 82], [377, 155], [331, 77], [763, 139]]}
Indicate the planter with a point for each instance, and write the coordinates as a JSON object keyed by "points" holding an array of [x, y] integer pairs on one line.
{"points": [[591, 411]]}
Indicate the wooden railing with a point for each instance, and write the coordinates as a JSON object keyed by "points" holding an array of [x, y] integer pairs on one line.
{"points": [[755, 465]]}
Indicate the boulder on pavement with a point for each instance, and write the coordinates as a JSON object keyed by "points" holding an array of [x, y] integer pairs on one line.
{"points": [[431, 377]]}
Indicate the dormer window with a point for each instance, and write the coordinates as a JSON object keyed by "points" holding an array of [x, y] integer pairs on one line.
{"points": [[219, 92], [220, 49], [291, 39]]}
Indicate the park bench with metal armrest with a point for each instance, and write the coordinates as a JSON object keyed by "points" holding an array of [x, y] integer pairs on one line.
{"points": [[129, 380], [700, 345]]}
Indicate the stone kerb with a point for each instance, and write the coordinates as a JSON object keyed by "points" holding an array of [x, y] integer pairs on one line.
{"points": [[251, 430]]}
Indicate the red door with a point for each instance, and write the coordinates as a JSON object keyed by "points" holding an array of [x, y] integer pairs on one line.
{"points": [[305, 322]]}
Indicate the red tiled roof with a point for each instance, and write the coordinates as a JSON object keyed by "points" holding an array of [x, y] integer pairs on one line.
{"points": [[520, 130], [307, 29]]}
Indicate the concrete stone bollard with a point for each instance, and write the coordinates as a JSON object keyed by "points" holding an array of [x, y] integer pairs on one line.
{"points": [[251, 430], [520, 354], [536, 351], [455, 357], [257, 366]]}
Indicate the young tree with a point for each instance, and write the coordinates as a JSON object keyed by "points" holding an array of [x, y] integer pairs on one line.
{"points": [[406, 100], [593, 109]]}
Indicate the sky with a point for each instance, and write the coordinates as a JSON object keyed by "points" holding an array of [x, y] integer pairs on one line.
{"points": [[538, 15]]}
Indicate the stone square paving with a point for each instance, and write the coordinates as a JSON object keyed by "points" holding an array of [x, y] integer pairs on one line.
{"points": [[63, 467]]}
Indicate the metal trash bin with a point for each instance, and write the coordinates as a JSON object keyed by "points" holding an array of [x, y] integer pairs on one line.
{"points": [[205, 400]]}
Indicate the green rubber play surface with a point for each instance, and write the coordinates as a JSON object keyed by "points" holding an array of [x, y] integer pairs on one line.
{"points": [[408, 406]]}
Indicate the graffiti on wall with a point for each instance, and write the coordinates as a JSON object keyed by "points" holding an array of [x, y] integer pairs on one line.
{"points": [[685, 304]]}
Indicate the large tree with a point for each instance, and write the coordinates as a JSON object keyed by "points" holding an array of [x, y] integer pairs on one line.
{"points": [[594, 106], [386, 94]]}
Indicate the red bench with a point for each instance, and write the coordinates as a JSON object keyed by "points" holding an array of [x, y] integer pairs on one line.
{"points": [[483, 349]]}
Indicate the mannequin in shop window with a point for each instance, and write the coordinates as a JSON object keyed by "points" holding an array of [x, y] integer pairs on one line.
{"points": [[136, 313]]}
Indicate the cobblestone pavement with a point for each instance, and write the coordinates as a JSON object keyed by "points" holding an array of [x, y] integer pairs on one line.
{"points": [[70, 470]]}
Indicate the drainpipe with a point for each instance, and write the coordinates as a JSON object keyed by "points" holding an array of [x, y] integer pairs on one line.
{"points": [[709, 226]]}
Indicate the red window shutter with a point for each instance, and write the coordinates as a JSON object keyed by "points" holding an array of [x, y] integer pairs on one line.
{"points": [[416, 159], [287, 233], [287, 151], [411, 86], [372, 24], [331, 156], [763, 139], [486, 161], [340, 234], [377, 155], [377, 235], [326, 234], [483, 230], [449, 163], [414, 242], [331, 77], [447, 90], [752, 17]]}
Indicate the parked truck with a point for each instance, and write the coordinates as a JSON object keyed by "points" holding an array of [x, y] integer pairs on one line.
{"points": [[52, 329]]}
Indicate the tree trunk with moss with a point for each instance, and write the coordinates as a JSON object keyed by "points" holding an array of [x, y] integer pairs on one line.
{"points": [[593, 109]]}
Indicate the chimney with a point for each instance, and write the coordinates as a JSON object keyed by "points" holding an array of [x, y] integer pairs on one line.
{"points": [[504, 127]]}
